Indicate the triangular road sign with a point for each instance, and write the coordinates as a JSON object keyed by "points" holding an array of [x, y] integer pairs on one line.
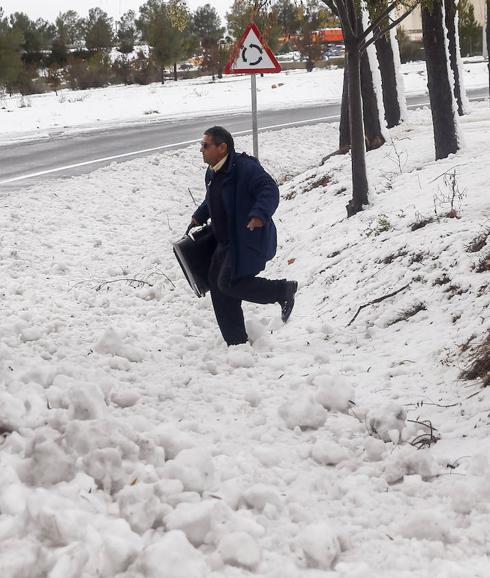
{"points": [[251, 54]]}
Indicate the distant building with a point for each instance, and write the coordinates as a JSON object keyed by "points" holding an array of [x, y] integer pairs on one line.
{"points": [[412, 25]]}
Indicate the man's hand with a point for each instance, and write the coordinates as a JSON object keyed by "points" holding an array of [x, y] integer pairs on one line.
{"points": [[254, 223], [193, 224]]}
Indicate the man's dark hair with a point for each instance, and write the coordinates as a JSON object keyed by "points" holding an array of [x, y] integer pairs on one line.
{"points": [[221, 135]]}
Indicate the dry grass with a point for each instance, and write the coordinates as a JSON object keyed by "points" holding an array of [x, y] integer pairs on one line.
{"points": [[421, 222], [484, 264], [320, 182], [478, 242], [407, 313], [480, 363]]}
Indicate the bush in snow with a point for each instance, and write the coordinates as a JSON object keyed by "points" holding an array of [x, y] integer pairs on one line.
{"points": [[304, 413], [387, 422], [334, 392]]}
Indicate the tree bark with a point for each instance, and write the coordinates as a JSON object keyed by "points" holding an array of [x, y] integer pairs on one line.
{"points": [[440, 91], [372, 128], [175, 72], [358, 150], [384, 50], [450, 19], [372, 125]]}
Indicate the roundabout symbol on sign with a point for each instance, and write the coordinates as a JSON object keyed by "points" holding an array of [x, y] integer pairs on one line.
{"points": [[255, 47]]}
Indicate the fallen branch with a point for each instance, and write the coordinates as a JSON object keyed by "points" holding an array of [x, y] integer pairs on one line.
{"points": [[422, 402], [192, 197], [377, 300], [335, 153], [139, 282], [425, 440]]}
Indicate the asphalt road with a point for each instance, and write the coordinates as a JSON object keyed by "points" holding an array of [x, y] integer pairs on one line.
{"points": [[27, 163]]}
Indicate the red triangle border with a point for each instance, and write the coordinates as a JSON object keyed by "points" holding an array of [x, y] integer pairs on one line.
{"points": [[228, 68]]}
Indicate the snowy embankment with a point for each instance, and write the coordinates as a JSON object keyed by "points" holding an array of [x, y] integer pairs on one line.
{"points": [[46, 115], [136, 445]]}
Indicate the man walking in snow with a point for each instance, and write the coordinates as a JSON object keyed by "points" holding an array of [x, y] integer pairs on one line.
{"points": [[241, 198]]}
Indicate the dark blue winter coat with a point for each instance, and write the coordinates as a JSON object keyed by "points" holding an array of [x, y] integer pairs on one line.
{"points": [[247, 191]]}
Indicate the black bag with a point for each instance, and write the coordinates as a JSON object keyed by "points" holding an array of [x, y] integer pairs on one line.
{"points": [[194, 252]]}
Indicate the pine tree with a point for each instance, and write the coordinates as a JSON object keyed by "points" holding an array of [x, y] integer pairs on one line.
{"points": [[98, 28], [10, 60], [206, 25]]}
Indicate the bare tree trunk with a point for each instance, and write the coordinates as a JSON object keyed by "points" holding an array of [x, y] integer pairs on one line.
{"points": [[440, 91], [450, 18], [372, 126], [358, 150], [372, 129], [175, 72], [384, 50], [162, 74]]}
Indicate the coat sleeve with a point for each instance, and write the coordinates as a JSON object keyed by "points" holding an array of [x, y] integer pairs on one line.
{"points": [[266, 193], [202, 213]]}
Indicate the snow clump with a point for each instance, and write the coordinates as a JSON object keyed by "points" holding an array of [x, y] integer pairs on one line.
{"points": [[172, 557], [139, 506], [259, 495], [238, 356], [12, 412], [320, 546], [193, 467], [387, 422], [408, 461], [240, 549], [197, 520], [328, 453], [334, 392], [305, 413], [112, 344]]}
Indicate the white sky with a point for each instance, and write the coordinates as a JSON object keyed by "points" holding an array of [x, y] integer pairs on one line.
{"points": [[50, 9]]}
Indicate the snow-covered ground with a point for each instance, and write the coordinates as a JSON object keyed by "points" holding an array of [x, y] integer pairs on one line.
{"points": [[136, 445], [44, 115]]}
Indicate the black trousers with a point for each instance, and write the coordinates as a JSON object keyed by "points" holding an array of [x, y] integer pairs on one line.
{"points": [[227, 295]]}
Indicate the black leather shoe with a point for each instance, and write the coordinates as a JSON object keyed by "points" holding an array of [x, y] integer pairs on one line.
{"points": [[288, 303]]}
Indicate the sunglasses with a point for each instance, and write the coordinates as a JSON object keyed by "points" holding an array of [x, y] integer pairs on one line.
{"points": [[205, 145]]}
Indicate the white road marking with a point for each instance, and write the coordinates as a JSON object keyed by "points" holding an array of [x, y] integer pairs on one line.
{"points": [[162, 147]]}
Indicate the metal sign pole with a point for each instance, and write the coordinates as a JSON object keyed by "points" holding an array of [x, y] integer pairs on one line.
{"points": [[254, 116], [484, 28]]}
